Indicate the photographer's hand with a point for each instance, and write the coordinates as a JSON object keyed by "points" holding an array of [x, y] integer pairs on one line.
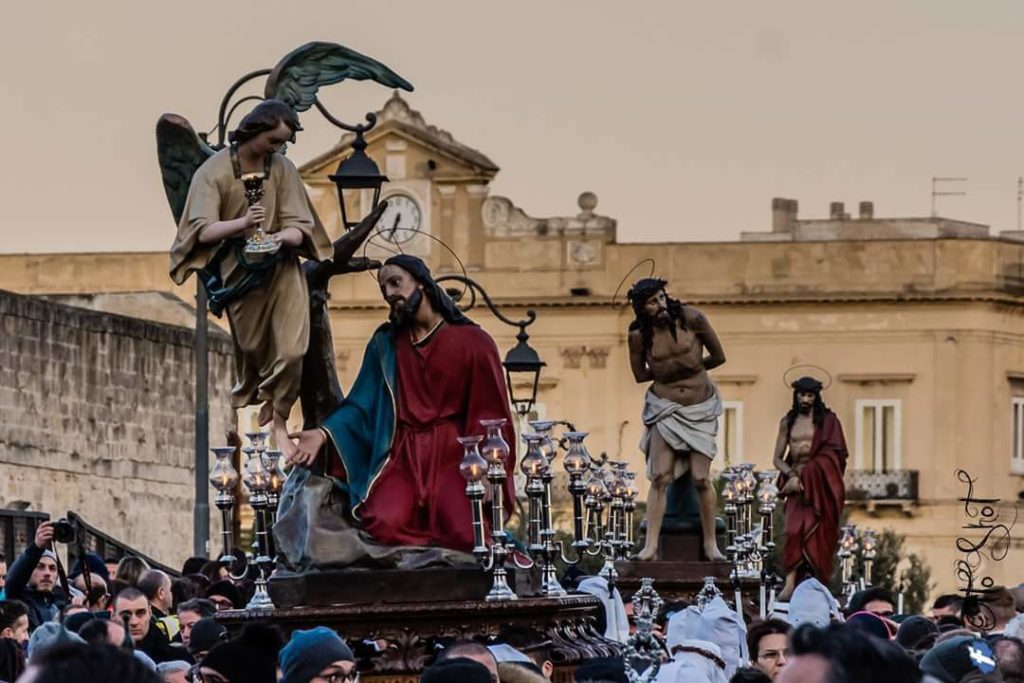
{"points": [[44, 535]]}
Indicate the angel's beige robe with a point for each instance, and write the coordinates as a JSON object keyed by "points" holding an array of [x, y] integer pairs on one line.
{"points": [[269, 324]]}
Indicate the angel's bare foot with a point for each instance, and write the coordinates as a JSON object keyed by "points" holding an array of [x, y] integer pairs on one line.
{"points": [[284, 444], [266, 414], [712, 553], [649, 552]]}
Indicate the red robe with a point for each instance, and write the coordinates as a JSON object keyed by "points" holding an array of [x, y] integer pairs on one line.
{"points": [[445, 387], [812, 518]]}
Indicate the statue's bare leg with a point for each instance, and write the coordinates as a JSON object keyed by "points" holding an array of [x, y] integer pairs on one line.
{"points": [[661, 464], [787, 591], [700, 470], [266, 414], [280, 430]]}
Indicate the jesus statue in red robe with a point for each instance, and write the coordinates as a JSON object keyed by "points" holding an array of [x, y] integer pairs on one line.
{"points": [[429, 375], [811, 479]]}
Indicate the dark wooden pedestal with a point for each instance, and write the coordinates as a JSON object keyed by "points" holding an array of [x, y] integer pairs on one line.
{"points": [[414, 613], [354, 587]]}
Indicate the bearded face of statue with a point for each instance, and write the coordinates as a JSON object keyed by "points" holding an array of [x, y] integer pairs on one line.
{"points": [[402, 293], [805, 401], [656, 308]]}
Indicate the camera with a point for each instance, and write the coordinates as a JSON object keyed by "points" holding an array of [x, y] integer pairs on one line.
{"points": [[64, 531]]}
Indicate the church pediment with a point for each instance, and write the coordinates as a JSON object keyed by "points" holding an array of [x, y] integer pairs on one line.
{"points": [[397, 125]]}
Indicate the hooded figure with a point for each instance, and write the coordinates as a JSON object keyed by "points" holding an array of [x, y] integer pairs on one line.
{"points": [[616, 621], [716, 624], [812, 604]]}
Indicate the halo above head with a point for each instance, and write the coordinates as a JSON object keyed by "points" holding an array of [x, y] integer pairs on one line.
{"points": [[631, 271], [378, 232], [790, 377]]}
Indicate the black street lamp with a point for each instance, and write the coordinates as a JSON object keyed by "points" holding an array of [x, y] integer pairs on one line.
{"points": [[522, 360], [358, 171]]}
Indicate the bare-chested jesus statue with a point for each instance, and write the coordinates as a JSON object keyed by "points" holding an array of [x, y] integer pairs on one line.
{"points": [[810, 454], [666, 347]]}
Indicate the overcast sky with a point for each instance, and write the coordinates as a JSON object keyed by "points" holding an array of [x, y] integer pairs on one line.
{"points": [[684, 117]]}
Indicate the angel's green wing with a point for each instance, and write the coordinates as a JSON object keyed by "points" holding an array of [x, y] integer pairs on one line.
{"points": [[181, 152], [296, 78]]}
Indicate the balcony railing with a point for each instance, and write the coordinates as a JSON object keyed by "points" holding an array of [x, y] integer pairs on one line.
{"points": [[868, 485]]}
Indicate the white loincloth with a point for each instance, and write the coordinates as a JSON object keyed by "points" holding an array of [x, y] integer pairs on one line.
{"points": [[684, 428]]}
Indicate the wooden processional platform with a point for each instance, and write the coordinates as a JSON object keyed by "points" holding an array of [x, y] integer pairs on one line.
{"points": [[415, 613]]}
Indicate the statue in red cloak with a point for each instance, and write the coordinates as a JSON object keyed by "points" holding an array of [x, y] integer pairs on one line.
{"points": [[428, 376], [810, 454]]}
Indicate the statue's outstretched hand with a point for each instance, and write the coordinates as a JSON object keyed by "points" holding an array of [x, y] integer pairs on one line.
{"points": [[307, 446]]}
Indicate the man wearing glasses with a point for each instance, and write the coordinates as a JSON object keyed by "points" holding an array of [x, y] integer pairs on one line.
{"points": [[317, 656]]}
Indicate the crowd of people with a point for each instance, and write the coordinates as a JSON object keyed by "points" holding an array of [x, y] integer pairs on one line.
{"points": [[125, 621]]}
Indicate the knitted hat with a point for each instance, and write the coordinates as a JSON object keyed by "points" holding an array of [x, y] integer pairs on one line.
{"points": [[228, 590], [206, 633], [917, 633], [48, 635], [251, 657], [458, 670], [951, 660], [868, 623], [76, 621], [310, 652], [96, 566]]}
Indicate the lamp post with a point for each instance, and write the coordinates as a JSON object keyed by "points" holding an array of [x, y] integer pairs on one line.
{"points": [[257, 480], [869, 549], [847, 548], [576, 464], [224, 477], [732, 493], [473, 468], [767, 497], [275, 482], [495, 451], [358, 171]]}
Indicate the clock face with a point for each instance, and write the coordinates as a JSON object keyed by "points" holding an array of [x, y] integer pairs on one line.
{"points": [[401, 220]]}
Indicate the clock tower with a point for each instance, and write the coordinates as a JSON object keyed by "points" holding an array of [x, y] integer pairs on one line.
{"points": [[435, 195]]}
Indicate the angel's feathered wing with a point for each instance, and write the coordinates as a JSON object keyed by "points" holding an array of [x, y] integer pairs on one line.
{"points": [[296, 78], [181, 152]]}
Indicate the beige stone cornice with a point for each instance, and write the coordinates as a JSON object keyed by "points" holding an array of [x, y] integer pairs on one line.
{"points": [[877, 377], [734, 379]]}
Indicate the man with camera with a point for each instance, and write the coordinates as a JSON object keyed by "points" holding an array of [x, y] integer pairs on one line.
{"points": [[32, 578]]}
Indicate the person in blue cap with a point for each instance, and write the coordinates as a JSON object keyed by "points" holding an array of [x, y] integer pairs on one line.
{"points": [[318, 655]]}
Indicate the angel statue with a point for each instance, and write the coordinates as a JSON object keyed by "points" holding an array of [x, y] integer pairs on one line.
{"points": [[270, 297]]}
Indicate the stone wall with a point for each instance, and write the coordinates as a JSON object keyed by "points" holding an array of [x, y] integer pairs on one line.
{"points": [[97, 416]]}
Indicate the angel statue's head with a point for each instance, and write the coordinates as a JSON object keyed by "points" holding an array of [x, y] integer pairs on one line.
{"points": [[267, 128]]}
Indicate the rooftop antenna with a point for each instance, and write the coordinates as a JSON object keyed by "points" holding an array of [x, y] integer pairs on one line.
{"points": [[1020, 197], [941, 181]]}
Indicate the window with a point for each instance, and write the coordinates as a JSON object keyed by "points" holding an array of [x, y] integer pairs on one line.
{"points": [[1017, 445], [878, 435], [730, 434]]}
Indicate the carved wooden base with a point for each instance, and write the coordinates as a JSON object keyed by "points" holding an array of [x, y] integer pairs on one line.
{"points": [[353, 587], [415, 631]]}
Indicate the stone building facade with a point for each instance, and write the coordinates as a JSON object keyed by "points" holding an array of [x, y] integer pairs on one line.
{"points": [[918, 321], [96, 416]]}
